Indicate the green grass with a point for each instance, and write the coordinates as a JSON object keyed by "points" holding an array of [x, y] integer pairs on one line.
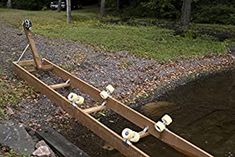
{"points": [[147, 41]]}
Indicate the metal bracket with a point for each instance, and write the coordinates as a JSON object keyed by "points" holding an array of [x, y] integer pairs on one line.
{"points": [[25, 49]]}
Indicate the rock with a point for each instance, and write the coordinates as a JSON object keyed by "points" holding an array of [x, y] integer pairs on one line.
{"points": [[40, 143], [9, 111], [16, 137], [42, 151], [43, 143]]}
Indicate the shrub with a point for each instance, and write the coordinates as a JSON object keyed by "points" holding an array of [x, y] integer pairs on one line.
{"points": [[221, 13], [30, 4]]}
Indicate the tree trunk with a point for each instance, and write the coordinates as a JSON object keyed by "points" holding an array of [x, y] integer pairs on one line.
{"points": [[69, 15], [185, 13], [9, 5], [118, 4], [102, 8], [59, 6]]}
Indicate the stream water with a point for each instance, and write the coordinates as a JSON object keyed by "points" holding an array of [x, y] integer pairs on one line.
{"points": [[203, 112]]}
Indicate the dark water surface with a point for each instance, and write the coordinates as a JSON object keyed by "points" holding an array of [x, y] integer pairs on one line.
{"points": [[204, 114]]}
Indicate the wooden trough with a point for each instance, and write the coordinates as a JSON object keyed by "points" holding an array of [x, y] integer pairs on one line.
{"points": [[24, 69]]}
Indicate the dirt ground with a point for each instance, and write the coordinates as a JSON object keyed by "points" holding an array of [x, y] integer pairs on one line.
{"points": [[132, 76]]}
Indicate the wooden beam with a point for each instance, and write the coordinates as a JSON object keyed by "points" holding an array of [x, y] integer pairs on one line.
{"points": [[60, 85], [143, 134], [46, 67], [32, 45], [94, 109], [26, 63], [85, 119], [30, 63]]}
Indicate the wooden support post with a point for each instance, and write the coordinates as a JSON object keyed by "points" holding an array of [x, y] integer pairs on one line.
{"points": [[143, 133], [36, 56], [94, 109], [60, 85]]}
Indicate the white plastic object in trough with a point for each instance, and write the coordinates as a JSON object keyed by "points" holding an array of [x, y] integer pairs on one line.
{"points": [[110, 89], [166, 119], [160, 126], [128, 142], [73, 97], [136, 137], [127, 134], [104, 94], [80, 100]]}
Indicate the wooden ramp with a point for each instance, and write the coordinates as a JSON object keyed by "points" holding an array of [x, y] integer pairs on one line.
{"points": [[24, 69]]}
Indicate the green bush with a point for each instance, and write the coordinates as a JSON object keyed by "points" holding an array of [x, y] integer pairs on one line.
{"points": [[154, 8], [221, 13], [206, 11], [3, 3], [163, 8], [30, 4]]}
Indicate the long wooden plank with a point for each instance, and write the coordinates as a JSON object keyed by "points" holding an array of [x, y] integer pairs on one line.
{"points": [[26, 62], [85, 119], [60, 85], [59, 143], [138, 119], [94, 109]]}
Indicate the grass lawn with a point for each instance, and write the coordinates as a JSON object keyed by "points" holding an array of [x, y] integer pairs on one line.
{"points": [[147, 41]]}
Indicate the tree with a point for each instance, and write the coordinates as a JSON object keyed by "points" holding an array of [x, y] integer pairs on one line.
{"points": [[9, 4], [118, 4], [185, 13], [102, 8], [69, 15], [59, 6]]}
